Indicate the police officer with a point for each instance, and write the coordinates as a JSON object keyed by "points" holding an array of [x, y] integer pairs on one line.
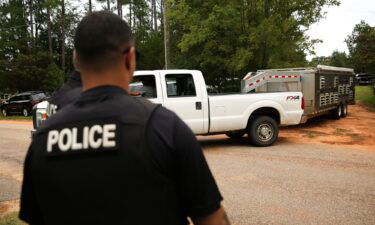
{"points": [[109, 158], [67, 94]]}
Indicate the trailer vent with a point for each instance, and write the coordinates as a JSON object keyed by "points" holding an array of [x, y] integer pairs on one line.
{"points": [[336, 98], [351, 95], [332, 97], [341, 89], [336, 82], [322, 82], [322, 99], [347, 89], [328, 100]]}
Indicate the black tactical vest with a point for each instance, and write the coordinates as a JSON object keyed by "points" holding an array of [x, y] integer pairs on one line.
{"points": [[117, 184]]}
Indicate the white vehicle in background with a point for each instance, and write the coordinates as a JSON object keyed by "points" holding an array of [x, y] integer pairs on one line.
{"points": [[184, 92]]}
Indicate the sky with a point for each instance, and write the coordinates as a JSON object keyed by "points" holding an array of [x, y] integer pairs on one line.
{"points": [[339, 23]]}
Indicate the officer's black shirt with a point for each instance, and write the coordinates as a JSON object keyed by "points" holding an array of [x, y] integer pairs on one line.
{"points": [[153, 173]]}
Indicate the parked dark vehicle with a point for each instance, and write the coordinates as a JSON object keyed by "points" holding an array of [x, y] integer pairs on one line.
{"points": [[365, 79], [22, 103]]}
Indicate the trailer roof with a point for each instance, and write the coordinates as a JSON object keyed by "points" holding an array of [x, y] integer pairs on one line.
{"points": [[318, 68]]}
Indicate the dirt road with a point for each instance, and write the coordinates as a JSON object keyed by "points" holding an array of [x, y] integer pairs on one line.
{"points": [[357, 130], [322, 172]]}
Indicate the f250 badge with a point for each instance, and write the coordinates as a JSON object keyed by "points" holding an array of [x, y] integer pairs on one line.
{"points": [[292, 98]]}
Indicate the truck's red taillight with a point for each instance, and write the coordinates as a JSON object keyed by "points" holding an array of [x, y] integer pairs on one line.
{"points": [[303, 103]]}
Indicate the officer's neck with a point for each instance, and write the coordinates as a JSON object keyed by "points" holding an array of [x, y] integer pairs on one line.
{"points": [[114, 78]]}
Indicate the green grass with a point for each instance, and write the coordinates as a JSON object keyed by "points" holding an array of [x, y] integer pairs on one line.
{"points": [[11, 219], [310, 134], [28, 118], [366, 95]]}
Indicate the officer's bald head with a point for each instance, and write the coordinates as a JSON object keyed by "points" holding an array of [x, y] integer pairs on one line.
{"points": [[101, 41]]}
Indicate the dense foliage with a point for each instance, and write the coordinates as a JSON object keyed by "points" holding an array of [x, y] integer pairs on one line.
{"points": [[224, 39], [361, 44]]}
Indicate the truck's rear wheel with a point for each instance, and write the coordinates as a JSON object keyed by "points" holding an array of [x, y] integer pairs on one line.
{"points": [[235, 134], [263, 131]]}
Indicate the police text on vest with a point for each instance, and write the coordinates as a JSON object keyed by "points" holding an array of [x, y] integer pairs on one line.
{"points": [[93, 137]]}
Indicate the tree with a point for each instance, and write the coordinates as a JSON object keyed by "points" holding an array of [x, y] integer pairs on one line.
{"points": [[338, 59], [227, 39], [361, 45], [31, 43]]}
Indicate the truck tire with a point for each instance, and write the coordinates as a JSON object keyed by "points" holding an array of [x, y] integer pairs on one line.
{"points": [[4, 112], [344, 112], [337, 113], [263, 131], [235, 134]]}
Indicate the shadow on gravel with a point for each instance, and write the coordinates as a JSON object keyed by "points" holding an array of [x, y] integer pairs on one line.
{"points": [[222, 141]]}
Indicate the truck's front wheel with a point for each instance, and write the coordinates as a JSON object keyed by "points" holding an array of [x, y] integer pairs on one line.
{"points": [[263, 131]]}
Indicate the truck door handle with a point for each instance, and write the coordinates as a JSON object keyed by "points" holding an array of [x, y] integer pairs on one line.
{"points": [[198, 105]]}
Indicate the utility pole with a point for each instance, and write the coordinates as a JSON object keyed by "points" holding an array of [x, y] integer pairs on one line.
{"points": [[166, 37], [119, 8], [31, 9], [63, 36], [90, 6], [49, 27]]}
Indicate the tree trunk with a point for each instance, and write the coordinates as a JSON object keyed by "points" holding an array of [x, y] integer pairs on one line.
{"points": [[166, 37], [119, 8], [134, 14], [154, 13], [265, 57], [90, 6], [108, 5], [63, 35], [49, 30], [162, 12], [31, 22], [130, 13]]}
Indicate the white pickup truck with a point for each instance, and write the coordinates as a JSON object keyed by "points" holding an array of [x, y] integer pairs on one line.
{"points": [[185, 93]]}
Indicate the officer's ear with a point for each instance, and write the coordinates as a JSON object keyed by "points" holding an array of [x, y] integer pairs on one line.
{"points": [[130, 60]]}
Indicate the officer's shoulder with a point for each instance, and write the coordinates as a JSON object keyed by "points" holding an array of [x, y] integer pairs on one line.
{"points": [[163, 117], [55, 119]]}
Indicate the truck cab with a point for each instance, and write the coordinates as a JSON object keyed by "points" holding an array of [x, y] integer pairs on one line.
{"points": [[185, 93]]}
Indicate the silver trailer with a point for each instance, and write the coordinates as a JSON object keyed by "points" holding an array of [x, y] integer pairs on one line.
{"points": [[325, 89]]}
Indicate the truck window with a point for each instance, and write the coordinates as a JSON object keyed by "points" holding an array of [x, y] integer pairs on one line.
{"points": [[13, 99], [143, 86], [180, 85], [38, 96]]}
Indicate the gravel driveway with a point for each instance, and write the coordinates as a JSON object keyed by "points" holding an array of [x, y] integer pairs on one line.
{"points": [[289, 183]]}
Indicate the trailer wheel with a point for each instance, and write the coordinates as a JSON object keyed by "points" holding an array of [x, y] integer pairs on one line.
{"points": [[235, 134], [337, 113], [263, 131], [344, 112]]}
